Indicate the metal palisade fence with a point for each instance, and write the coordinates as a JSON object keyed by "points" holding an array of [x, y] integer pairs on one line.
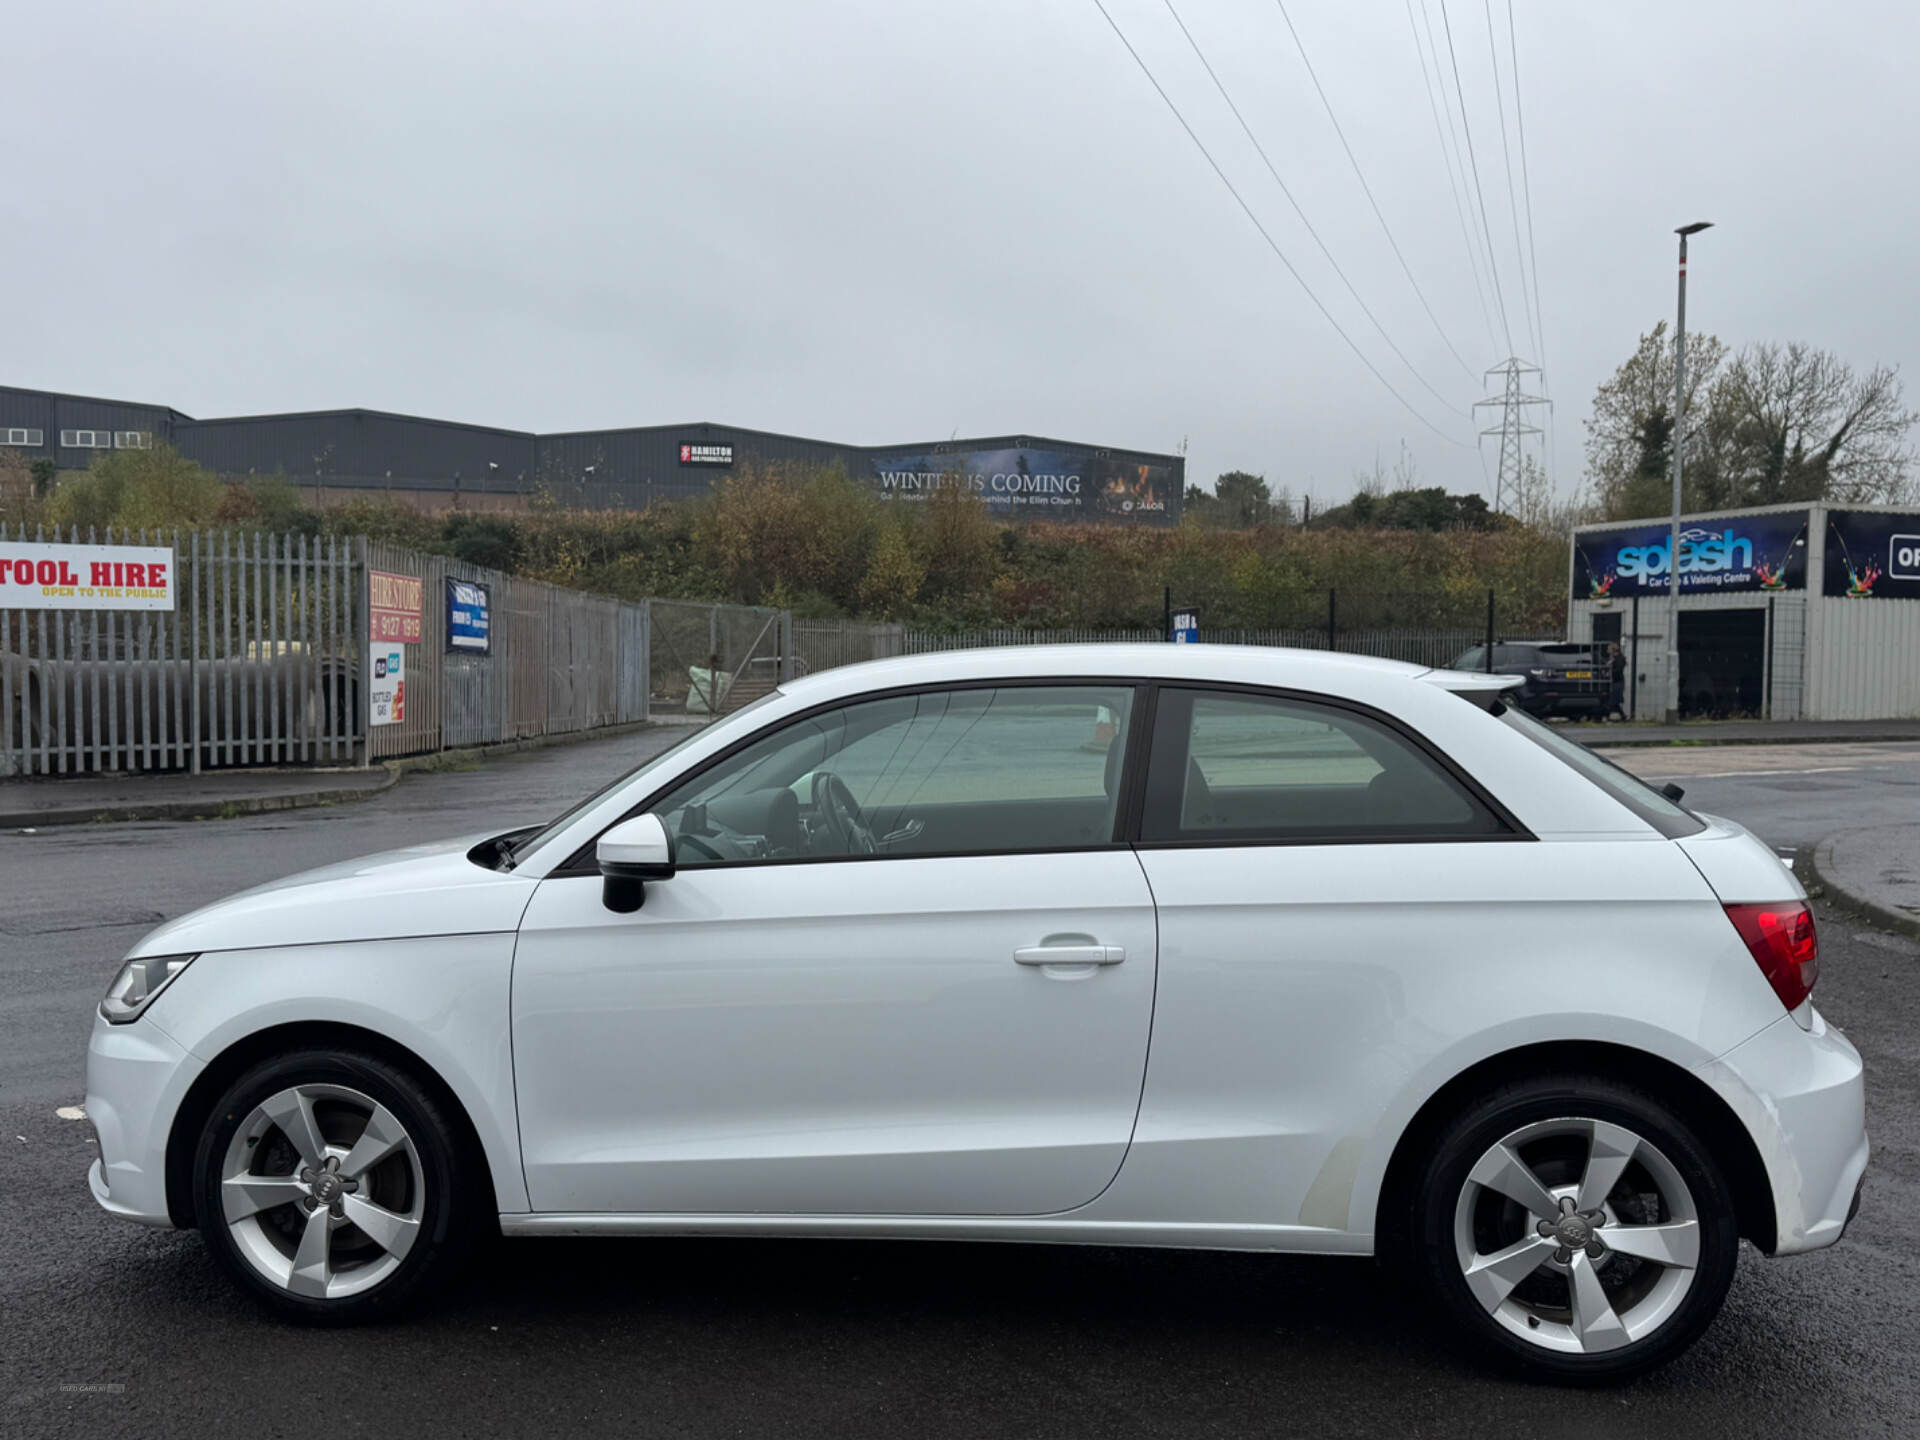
{"points": [[559, 661], [253, 664], [264, 656]]}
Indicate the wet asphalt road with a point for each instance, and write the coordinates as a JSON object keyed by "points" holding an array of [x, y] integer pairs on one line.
{"points": [[1792, 796], [106, 1329]]}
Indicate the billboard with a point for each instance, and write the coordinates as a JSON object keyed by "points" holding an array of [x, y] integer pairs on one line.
{"points": [[1872, 555], [1748, 552], [85, 577], [1032, 482]]}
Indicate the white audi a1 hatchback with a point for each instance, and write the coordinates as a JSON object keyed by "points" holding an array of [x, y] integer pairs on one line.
{"points": [[1199, 946]]}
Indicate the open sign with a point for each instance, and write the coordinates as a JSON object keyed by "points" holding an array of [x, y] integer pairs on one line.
{"points": [[1903, 557]]}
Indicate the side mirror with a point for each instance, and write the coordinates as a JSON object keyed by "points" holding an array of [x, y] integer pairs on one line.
{"points": [[630, 854]]}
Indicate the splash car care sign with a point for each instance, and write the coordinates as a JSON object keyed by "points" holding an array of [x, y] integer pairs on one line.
{"points": [[85, 577]]}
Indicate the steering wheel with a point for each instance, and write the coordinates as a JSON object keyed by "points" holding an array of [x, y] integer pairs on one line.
{"points": [[698, 846], [834, 803]]}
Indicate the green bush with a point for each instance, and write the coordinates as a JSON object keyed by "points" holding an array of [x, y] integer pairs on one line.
{"points": [[153, 489], [811, 541]]}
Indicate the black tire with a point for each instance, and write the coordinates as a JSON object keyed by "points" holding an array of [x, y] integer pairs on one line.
{"points": [[438, 1192], [1439, 1206]]}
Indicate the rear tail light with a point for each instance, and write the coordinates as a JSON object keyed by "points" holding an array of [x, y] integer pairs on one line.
{"points": [[1784, 945]]}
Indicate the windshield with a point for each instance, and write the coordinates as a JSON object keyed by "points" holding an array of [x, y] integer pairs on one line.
{"points": [[539, 838], [1670, 819]]}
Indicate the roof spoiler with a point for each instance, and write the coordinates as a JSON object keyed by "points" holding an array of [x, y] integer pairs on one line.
{"points": [[1475, 686]]}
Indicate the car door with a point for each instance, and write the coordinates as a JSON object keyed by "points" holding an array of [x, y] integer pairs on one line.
{"points": [[955, 1023], [1318, 872]]}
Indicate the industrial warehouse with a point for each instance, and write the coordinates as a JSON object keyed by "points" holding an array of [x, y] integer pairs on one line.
{"points": [[334, 455], [1792, 612]]}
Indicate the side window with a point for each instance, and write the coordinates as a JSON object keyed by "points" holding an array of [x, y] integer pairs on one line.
{"points": [[1231, 767], [940, 773]]}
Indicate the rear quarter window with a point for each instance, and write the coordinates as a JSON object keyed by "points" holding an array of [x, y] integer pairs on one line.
{"points": [[1669, 818]]}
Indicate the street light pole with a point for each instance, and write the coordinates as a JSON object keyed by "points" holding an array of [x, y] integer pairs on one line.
{"points": [[1679, 431]]}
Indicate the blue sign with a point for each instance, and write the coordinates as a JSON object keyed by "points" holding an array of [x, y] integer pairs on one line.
{"points": [[1186, 627], [1872, 554], [469, 617], [1747, 552]]}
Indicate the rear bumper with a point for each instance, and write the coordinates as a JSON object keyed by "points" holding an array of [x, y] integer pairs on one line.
{"points": [[1802, 1096], [136, 1078]]}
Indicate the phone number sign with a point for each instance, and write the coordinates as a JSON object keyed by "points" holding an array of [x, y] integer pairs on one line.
{"points": [[395, 607]]}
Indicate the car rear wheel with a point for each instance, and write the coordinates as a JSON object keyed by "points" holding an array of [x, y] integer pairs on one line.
{"points": [[330, 1186], [1576, 1228]]}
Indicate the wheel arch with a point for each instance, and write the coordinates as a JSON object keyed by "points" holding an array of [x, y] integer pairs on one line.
{"points": [[195, 1106], [1720, 1130]]}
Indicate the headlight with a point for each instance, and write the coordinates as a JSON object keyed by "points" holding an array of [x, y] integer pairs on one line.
{"points": [[1540, 674], [138, 982]]}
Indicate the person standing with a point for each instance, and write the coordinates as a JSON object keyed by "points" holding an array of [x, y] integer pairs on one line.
{"points": [[1617, 681]]}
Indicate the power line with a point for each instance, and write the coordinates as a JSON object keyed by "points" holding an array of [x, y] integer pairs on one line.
{"points": [[1440, 129], [1272, 245], [1480, 194], [1359, 175], [1247, 130], [1513, 200], [1526, 188], [1447, 103]]}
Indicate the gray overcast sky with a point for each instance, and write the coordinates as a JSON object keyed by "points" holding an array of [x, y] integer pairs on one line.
{"points": [[885, 220]]}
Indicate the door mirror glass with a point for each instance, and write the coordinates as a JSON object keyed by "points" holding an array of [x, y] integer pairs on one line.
{"points": [[630, 854]]}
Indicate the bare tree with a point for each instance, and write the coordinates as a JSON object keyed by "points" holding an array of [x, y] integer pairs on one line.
{"points": [[1793, 422], [1530, 501], [1776, 423], [1630, 432]]}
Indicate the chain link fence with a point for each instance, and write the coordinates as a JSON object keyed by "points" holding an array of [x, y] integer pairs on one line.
{"points": [[709, 660]]}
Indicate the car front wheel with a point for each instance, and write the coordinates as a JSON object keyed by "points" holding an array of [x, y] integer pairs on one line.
{"points": [[329, 1184], [1575, 1227]]}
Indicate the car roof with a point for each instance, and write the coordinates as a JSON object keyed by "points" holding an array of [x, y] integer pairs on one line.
{"points": [[1317, 670]]}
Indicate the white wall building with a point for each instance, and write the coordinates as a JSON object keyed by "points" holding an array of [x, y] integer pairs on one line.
{"points": [[1807, 611]]}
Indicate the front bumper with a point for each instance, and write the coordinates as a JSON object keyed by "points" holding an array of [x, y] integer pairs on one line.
{"points": [[137, 1076], [1802, 1096]]}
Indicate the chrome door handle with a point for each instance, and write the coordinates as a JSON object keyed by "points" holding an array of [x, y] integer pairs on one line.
{"points": [[1070, 955]]}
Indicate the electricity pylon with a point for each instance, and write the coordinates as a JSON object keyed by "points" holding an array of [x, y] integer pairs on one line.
{"points": [[1513, 427]]}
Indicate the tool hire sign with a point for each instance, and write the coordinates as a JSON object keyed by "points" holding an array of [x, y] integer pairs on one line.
{"points": [[85, 577]]}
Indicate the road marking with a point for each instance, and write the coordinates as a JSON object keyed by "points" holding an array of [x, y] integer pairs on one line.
{"points": [[1744, 774]]}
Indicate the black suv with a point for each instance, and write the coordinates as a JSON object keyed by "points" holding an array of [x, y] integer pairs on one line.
{"points": [[1562, 678]]}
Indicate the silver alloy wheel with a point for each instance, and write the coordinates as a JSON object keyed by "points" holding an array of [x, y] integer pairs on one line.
{"points": [[322, 1190], [1577, 1235]]}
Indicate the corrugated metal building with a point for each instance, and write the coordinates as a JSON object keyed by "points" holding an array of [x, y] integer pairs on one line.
{"points": [[1804, 611], [72, 429], [439, 462]]}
